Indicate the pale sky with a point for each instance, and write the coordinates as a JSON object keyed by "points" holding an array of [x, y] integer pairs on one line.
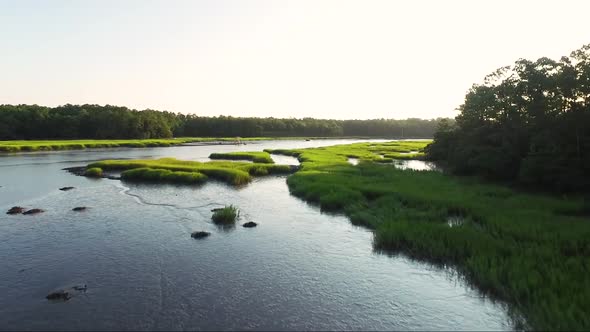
{"points": [[325, 59]]}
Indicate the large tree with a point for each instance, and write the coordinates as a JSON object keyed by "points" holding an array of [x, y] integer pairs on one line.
{"points": [[529, 122]]}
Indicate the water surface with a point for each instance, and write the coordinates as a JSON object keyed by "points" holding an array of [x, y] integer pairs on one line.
{"points": [[298, 270]]}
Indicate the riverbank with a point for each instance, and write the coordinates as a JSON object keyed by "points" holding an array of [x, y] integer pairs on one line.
{"points": [[56, 145], [528, 249]]}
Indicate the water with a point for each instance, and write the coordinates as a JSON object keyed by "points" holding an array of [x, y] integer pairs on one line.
{"points": [[418, 165], [298, 270]]}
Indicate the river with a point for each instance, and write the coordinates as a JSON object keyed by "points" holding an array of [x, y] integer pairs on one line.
{"points": [[300, 269]]}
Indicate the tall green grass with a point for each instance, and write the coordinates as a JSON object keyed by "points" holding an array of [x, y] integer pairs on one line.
{"points": [[234, 173], [163, 175], [256, 156], [531, 250], [226, 215]]}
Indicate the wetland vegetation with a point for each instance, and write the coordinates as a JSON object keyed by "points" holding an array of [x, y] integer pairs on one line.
{"points": [[51, 145], [529, 249], [189, 172], [255, 156], [226, 215]]}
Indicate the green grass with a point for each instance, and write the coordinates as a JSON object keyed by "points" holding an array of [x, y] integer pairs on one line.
{"points": [[50, 145], [226, 215], [256, 156], [30, 146], [374, 152], [235, 173], [163, 175], [93, 172], [530, 250]]}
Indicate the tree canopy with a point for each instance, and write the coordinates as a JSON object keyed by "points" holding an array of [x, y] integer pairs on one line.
{"points": [[114, 122], [529, 122]]}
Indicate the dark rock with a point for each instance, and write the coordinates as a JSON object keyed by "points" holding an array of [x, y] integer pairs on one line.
{"points": [[250, 224], [216, 209], [80, 208], [200, 234], [33, 211], [16, 210], [59, 295], [81, 288], [79, 170], [66, 188]]}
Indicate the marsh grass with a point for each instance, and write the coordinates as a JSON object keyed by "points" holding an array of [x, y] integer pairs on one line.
{"points": [[226, 215], [93, 172], [163, 175], [51, 145], [179, 171], [256, 156], [513, 245]]}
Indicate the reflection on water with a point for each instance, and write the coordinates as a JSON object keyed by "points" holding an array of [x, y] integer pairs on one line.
{"points": [[286, 160], [298, 270], [417, 165], [353, 161]]}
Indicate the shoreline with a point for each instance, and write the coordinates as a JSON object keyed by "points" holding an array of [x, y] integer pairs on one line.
{"points": [[31, 146]]}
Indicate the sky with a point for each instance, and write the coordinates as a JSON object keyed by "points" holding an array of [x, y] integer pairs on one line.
{"points": [[339, 59]]}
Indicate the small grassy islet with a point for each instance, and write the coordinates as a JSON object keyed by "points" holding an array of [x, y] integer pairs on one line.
{"points": [[94, 172], [226, 215], [255, 156], [190, 172]]}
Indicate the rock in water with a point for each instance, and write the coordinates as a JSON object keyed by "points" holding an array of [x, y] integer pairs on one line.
{"points": [[66, 188], [59, 295], [67, 293], [80, 208], [200, 234], [16, 210], [33, 211], [250, 224], [81, 288]]}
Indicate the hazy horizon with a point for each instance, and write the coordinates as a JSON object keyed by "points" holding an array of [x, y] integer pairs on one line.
{"points": [[282, 59]]}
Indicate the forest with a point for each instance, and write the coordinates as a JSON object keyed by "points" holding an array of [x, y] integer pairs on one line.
{"points": [[24, 122], [528, 123]]}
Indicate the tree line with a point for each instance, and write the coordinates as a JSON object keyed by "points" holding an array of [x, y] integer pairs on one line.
{"points": [[528, 123], [19, 122]]}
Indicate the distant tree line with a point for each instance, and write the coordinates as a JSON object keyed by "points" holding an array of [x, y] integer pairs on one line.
{"points": [[114, 122], [529, 122]]}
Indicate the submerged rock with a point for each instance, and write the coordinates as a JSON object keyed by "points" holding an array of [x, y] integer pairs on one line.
{"points": [[250, 224], [200, 234], [67, 293], [81, 288], [59, 295], [16, 210], [80, 208], [66, 188], [33, 211]]}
